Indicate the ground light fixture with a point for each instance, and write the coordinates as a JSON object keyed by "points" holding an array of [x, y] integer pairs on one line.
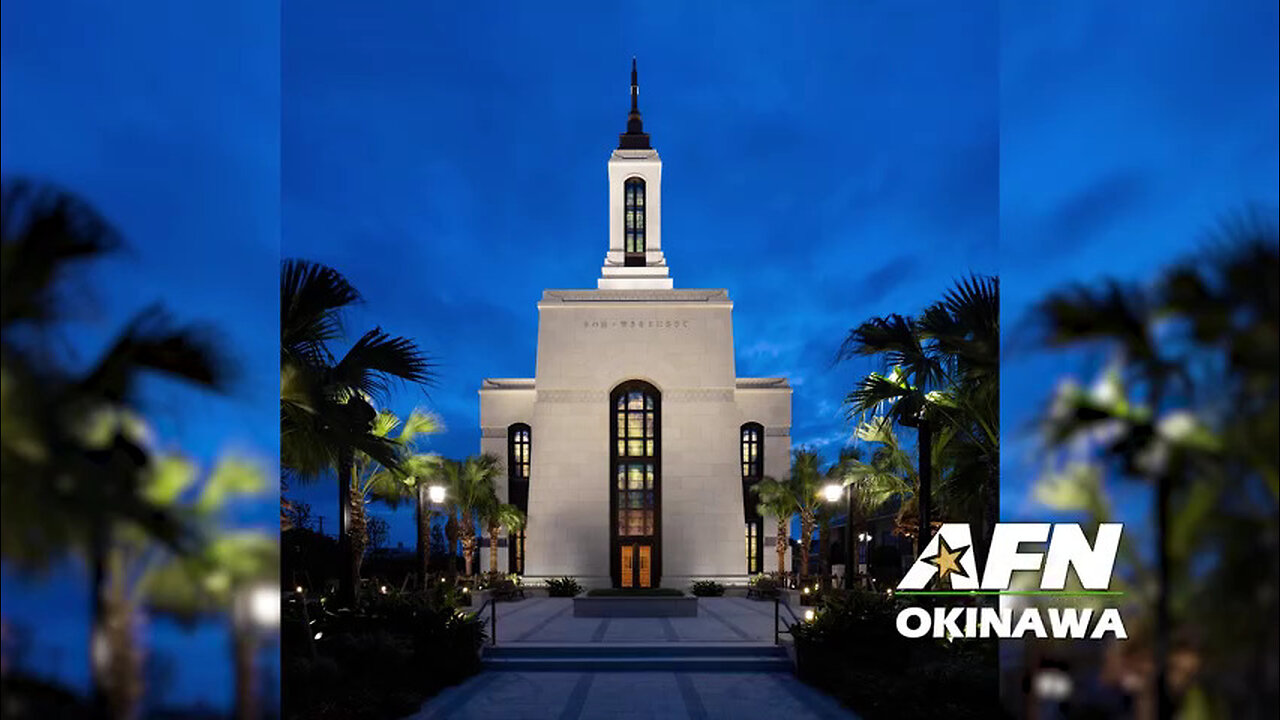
{"points": [[809, 615]]}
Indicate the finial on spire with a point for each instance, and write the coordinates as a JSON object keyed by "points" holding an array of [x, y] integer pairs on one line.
{"points": [[635, 87], [635, 137]]}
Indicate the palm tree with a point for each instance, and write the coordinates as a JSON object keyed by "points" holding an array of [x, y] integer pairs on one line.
{"points": [[420, 472], [220, 572], [804, 484], [470, 486], [498, 516], [775, 499], [942, 371], [72, 457], [387, 485], [325, 413], [1190, 405]]}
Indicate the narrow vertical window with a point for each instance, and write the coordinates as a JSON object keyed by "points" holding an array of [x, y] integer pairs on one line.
{"points": [[519, 465], [752, 461], [635, 484], [633, 221]]}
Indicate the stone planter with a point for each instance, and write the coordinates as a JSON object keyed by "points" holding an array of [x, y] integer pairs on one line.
{"points": [[685, 606]]}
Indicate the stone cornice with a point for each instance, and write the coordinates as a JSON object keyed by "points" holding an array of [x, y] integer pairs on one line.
{"points": [[657, 296]]}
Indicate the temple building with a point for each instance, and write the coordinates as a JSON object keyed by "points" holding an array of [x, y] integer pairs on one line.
{"points": [[632, 447]]}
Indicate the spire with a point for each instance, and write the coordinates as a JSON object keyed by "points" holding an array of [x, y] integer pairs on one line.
{"points": [[635, 138]]}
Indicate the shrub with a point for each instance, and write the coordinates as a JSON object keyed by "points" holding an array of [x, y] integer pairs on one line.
{"points": [[764, 585], [380, 660], [563, 587], [707, 588]]}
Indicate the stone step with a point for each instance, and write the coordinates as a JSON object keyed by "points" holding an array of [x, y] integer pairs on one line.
{"points": [[641, 663], [635, 650]]}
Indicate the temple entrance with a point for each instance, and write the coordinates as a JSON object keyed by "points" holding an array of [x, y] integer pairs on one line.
{"points": [[635, 486], [635, 562]]}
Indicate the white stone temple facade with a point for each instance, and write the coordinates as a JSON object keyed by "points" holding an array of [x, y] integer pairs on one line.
{"points": [[631, 447]]}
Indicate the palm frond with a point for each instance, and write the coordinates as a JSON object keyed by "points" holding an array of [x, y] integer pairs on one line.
{"points": [[151, 342], [311, 298], [44, 230], [377, 357]]}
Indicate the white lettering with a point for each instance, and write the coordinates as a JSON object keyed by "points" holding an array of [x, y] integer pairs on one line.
{"points": [[904, 622]]}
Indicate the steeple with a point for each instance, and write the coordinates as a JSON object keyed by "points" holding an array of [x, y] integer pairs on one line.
{"points": [[635, 138]]}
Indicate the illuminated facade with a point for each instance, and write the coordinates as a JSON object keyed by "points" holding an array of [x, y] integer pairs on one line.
{"points": [[632, 447]]}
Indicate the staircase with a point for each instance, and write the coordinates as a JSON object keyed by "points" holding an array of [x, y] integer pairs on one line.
{"points": [[623, 657]]}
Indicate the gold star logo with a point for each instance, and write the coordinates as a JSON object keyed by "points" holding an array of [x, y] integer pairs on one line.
{"points": [[947, 560]]}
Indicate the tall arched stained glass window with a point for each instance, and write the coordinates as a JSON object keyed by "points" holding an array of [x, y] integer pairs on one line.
{"points": [[519, 465], [752, 456], [633, 221], [636, 480]]}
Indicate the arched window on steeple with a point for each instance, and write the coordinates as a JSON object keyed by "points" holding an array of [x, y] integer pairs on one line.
{"points": [[633, 221]]}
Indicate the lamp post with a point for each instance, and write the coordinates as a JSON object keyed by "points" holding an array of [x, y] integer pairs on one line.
{"points": [[255, 615], [435, 495], [832, 493]]}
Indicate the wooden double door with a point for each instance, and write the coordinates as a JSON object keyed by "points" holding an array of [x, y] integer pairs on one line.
{"points": [[635, 563]]}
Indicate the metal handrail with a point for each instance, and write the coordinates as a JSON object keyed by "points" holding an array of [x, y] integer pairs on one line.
{"points": [[493, 618], [778, 604]]}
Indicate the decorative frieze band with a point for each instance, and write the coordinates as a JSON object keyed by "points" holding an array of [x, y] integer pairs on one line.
{"points": [[699, 395], [783, 431], [675, 395], [493, 432], [573, 396]]}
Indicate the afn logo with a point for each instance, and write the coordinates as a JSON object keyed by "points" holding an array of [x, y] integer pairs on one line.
{"points": [[949, 559]]}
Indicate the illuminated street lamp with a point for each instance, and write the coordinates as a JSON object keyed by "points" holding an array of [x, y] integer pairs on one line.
{"points": [[255, 616], [436, 494], [832, 493]]}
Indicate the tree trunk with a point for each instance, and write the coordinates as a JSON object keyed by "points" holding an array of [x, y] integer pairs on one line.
{"points": [[493, 548], [99, 647], [924, 433], [1164, 701], [468, 543], [116, 650], [243, 646], [424, 533], [780, 544], [806, 535], [359, 532], [346, 564]]}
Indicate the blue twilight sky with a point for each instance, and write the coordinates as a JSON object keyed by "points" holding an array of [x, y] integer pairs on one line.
{"points": [[165, 116], [824, 163]]}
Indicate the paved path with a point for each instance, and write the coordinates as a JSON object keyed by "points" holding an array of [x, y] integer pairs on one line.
{"points": [[631, 696], [514, 695]]}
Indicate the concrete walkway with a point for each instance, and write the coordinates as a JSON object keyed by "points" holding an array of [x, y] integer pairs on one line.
{"points": [[634, 694]]}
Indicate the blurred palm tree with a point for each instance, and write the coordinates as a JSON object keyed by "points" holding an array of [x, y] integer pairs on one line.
{"points": [[204, 582], [1189, 404], [74, 459], [325, 413], [943, 372]]}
